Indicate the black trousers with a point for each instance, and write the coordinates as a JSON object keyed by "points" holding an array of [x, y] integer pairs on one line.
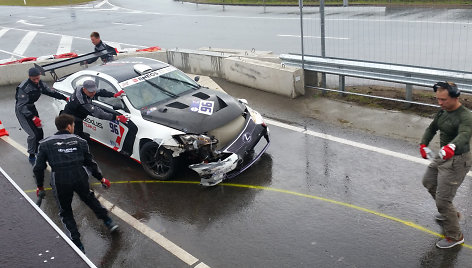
{"points": [[79, 129], [64, 192]]}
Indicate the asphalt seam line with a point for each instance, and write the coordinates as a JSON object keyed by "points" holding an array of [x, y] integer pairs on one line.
{"points": [[136, 224]]}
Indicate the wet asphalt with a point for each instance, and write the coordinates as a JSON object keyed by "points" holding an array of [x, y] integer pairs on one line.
{"points": [[282, 212]]}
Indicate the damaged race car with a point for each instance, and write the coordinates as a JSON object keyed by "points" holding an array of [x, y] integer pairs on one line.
{"points": [[172, 118]]}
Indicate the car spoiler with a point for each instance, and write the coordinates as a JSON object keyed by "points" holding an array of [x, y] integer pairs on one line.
{"points": [[52, 67]]}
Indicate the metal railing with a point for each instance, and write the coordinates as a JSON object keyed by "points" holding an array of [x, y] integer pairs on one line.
{"points": [[396, 73]]}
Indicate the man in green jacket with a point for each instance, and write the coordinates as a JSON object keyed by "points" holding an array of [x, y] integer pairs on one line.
{"points": [[448, 169]]}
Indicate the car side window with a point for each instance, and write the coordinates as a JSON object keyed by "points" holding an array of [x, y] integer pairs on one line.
{"points": [[104, 84], [79, 81]]}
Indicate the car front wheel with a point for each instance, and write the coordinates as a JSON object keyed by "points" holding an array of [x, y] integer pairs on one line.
{"points": [[157, 162]]}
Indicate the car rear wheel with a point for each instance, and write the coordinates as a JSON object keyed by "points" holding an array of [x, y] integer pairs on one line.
{"points": [[157, 162]]}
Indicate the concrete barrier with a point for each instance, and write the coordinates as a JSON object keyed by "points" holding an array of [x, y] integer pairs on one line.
{"points": [[248, 71], [266, 76]]}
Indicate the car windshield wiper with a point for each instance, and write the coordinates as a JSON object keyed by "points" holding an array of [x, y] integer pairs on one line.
{"points": [[185, 82], [167, 92]]}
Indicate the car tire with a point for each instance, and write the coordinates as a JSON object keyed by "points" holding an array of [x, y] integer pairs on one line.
{"points": [[157, 162]]}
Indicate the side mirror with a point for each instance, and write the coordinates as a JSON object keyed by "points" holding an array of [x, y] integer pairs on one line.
{"points": [[197, 78]]}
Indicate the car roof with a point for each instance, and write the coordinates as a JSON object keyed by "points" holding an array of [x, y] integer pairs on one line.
{"points": [[123, 69]]}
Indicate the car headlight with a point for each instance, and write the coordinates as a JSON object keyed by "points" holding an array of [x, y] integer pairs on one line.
{"points": [[256, 116], [196, 141]]}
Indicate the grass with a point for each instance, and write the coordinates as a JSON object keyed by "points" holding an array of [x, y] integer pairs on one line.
{"points": [[41, 2], [335, 2]]}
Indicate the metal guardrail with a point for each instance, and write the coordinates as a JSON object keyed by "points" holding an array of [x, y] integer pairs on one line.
{"points": [[396, 73]]}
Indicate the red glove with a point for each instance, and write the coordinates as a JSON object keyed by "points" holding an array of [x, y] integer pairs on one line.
{"points": [[105, 183], [119, 93], [39, 190], [122, 118], [447, 152], [37, 121], [425, 151], [67, 99]]}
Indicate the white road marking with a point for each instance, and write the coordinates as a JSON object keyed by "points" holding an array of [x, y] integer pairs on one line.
{"points": [[202, 265], [127, 24], [312, 36], [101, 3], [29, 24], [13, 54], [144, 229], [3, 31], [36, 17], [65, 45], [48, 220], [150, 233], [352, 143], [24, 43], [82, 38]]}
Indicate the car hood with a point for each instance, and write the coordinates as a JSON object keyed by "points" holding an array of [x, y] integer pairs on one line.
{"points": [[183, 113]]}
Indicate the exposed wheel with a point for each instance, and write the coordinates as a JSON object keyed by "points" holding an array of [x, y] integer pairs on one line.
{"points": [[157, 162]]}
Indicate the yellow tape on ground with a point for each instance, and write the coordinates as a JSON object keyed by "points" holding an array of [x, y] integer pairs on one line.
{"points": [[407, 223]]}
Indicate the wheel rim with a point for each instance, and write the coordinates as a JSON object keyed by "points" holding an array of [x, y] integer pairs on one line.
{"points": [[158, 161]]}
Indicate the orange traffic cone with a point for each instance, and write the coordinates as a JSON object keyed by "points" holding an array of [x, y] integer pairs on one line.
{"points": [[3, 132]]}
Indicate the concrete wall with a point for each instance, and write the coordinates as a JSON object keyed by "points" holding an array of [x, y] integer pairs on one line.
{"points": [[263, 75], [267, 76]]}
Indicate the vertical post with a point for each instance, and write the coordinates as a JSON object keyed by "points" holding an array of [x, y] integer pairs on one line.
{"points": [[342, 85], [263, 3], [345, 3], [300, 4], [409, 94], [223, 1], [323, 47]]}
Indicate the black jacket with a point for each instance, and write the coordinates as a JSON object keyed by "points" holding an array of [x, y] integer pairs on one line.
{"points": [[105, 58], [68, 155], [27, 93], [81, 106]]}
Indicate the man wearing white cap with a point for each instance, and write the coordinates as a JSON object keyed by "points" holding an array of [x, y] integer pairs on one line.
{"points": [[81, 106]]}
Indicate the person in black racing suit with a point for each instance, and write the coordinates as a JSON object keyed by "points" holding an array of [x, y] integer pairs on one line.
{"points": [[69, 157], [27, 93], [81, 106], [99, 45]]}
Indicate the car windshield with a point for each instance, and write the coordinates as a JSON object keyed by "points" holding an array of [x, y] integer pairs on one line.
{"points": [[149, 89]]}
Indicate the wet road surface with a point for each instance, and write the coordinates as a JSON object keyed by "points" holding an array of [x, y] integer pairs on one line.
{"points": [[308, 202]]}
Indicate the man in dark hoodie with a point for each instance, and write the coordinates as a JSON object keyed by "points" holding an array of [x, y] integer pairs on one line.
{"points": [[69, 157], [99, 45], [81, 106], [27, 93]]}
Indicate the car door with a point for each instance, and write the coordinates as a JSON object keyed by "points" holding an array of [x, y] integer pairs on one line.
{"points": [[112, 133]]}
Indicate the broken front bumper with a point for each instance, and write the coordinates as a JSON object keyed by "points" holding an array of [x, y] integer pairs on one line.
{"points": [[213, 173]]}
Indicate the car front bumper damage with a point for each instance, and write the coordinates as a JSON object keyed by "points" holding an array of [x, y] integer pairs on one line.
{"points": [[212, 173]]}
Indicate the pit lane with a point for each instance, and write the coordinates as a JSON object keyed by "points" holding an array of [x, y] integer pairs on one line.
{"points": [[300, 205]]}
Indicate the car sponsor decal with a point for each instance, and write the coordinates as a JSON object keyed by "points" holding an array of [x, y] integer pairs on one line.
{"points": [[118, 130], [147, 76], [202, 107]]}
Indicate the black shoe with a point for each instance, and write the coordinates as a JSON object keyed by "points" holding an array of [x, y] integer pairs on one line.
{"points": [[111, 225], [32, 159]]}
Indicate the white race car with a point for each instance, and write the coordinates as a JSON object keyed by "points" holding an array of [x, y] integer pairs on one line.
{"points": [[171, 117]]}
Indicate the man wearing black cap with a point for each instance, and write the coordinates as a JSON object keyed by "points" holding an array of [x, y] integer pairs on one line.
{"points": [[27, 93], [81, 106]]}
